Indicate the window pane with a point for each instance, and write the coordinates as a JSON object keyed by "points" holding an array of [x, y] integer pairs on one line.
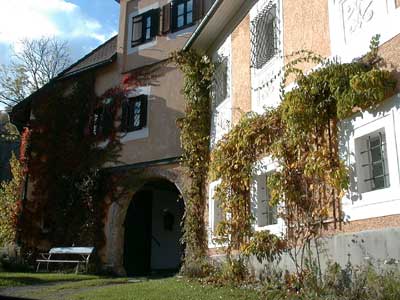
{"points": [[189, 18], [181, 21], [137, 30], [377, 169], [189, 5], [148, 34], [181, 9], [148, 22], [379, 183]]}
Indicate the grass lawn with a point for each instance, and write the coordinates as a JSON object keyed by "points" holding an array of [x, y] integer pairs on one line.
{"points": [[77, 287]]}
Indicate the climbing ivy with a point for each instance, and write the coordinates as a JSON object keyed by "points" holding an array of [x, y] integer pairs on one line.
{"points": [[64, 166], [195, 129], [301, 135]]}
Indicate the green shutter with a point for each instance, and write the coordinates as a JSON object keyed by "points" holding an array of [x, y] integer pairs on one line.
{"points": [[166, 18]]}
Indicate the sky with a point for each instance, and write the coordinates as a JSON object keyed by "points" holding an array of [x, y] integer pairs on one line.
{"points": [[84, 24]]}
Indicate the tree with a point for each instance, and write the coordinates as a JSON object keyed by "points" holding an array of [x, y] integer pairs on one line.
{"points": [[33, 66]]}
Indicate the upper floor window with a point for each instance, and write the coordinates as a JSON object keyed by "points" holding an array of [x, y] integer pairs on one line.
{"points": [[220, 82], [145, 27], [103, 118], [134, 114], [371, 158], [264, 37], [182, 14]]}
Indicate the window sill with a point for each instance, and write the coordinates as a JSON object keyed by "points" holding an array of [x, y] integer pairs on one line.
{"points": [[173, 35], [143, 46], [135, 135]]}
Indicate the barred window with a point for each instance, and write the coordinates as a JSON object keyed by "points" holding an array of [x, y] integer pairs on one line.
{"points": [[220, 82], [134, 114], [266, 213], [371, 157], [264, 37]]}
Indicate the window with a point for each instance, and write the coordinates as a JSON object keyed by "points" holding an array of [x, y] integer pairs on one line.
{"points": [[266, 214], [134, 114], [215, 210], [264, 37], [220, 82], [103, 119], [371, 162], [182, 14], [145, 27]]}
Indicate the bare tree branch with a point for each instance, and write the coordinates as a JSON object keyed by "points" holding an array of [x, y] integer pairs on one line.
{"points": [[36, 64]]}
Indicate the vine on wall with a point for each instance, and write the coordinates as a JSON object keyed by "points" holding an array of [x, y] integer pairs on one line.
{"points": [[301, 135], [195, 140], [65, 163]]}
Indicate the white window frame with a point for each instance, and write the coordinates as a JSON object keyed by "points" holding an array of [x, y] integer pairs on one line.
{"points": [[222, 113], [262, 168], [264, 93], [211, 215], [144, 46], [382, 202]]}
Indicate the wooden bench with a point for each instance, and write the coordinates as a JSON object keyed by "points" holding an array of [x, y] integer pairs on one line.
{"points": [[82, 253]]}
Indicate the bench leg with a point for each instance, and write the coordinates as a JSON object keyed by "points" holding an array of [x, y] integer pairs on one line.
{"points": [[77, 269], [37, 268]]}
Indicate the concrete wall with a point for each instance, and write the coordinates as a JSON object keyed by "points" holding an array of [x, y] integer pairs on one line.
{"points": [[374, 246]]}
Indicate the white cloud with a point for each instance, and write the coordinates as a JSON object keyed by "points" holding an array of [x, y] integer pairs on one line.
{"points": [[37, 18]]}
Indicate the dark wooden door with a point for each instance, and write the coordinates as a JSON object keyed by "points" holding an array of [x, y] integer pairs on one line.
{"points": [[137, 252]]}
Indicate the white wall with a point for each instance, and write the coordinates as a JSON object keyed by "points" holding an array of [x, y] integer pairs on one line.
{"points": [[381, 202]]}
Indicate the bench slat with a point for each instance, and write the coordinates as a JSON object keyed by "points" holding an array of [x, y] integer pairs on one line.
{"points": [[60, 261], [71, 250]]}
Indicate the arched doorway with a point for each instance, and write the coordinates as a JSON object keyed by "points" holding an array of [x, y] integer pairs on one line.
{"points": [[153, 230]]}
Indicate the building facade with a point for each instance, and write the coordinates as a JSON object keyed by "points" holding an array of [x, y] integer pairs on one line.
{"points": [[257, 40]]}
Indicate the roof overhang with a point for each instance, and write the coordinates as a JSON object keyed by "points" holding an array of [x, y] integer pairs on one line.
{"points": [[221, 19]]}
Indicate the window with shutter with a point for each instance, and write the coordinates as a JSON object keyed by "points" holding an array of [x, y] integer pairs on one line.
{"points": [[103, 119], [166, 18], [145, 27], [264, 37], [134, 114], [185, 13]]}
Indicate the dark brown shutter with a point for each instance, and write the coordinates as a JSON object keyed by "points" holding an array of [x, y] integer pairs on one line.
{"points": [[155, 22], [198, 9], [143, 110], [124, 116], [166, 18]]}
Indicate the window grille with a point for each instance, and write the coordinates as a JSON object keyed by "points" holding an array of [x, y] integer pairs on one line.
{"points": [[372, 165], [134, 114], [264, 36], [266, 214], [220, 82], [376, 152]]}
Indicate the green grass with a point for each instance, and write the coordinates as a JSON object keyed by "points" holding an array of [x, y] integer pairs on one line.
{"points": [[79, 287], [20, 279], [160, 289]]}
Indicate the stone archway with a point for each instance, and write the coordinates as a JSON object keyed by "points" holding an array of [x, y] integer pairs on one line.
{"points": [[114, 225]]}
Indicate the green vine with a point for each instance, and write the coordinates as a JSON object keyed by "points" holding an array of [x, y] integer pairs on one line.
{"points": [[195, 128], [302, 136]]}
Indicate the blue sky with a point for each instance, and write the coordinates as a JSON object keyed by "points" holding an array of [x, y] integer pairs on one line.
{"points": [[85, 24]]}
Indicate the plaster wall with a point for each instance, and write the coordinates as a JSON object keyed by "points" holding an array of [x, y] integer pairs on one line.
{"points": [[306, 27], [241, 76], [165, 106], [106, 78]]}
